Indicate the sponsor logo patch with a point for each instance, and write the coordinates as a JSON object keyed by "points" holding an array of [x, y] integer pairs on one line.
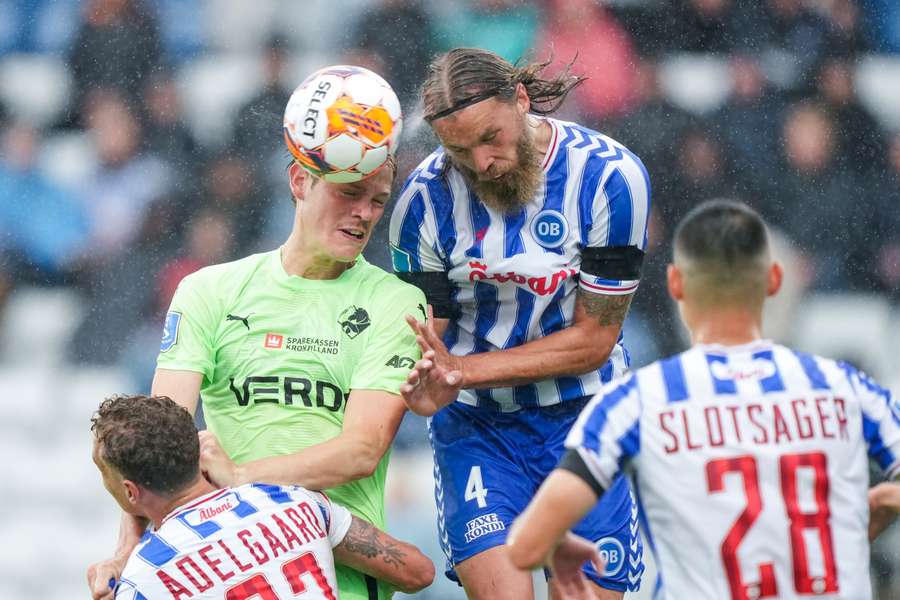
{"points": [[400, 362], [170, 331], [273, 341], [483, 525]]}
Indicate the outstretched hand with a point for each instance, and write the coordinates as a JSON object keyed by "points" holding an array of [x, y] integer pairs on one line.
{"points": [[435, 380], [566, 564]]}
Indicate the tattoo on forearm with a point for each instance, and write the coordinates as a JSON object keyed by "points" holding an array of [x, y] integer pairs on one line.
{"points": [[363, 538], [606, 310]]}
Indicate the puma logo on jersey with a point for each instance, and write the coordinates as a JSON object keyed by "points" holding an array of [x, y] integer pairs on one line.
{"points": [[244, 320]]}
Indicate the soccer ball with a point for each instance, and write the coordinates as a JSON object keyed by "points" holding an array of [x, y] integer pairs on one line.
{"points": [[342, 123]]}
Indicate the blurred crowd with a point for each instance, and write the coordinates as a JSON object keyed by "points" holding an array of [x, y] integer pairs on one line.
{"points": [[146, 195]]}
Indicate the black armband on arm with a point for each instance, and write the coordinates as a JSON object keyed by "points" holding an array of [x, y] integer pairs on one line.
{"points": [[437, 289], [613, 262], [573, 463]]}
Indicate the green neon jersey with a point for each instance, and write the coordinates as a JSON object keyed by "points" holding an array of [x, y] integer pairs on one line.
{"points": [[280, 355]]}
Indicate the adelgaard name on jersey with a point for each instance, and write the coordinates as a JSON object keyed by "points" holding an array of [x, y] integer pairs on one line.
{"points": [[277, 389]]}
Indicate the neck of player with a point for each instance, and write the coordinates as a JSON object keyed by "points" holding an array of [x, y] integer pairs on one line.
{"points": [[296, 259], [158, 511], [723, 325]]}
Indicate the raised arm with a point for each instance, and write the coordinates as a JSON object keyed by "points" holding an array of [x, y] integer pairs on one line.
{"points": [[371, 420], [372, 551]]}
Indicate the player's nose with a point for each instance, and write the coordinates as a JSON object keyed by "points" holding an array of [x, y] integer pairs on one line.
{"points": [[483, 161]]}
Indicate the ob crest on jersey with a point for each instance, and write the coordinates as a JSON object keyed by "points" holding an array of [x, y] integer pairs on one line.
{"points": [[170, 331]]}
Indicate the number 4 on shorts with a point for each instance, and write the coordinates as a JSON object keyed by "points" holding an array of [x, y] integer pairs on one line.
{"points": [[475, 489]]}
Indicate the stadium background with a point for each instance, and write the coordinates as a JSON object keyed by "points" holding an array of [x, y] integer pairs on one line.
{"points": [[141, 141]]}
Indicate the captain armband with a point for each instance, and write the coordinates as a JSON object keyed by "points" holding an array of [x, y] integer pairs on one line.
{"points": [[437, 289], [612, 270], [573, 463]]}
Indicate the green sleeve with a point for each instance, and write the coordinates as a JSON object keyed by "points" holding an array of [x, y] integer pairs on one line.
{"points": [[391, 350], [191, 324]]}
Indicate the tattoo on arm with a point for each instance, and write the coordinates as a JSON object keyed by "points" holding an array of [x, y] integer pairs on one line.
{"points": [[606, 310], [364, 539]]}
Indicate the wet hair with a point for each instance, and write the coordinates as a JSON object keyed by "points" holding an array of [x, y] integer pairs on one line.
{"points": [[149, 440], [725, 246], [464, 76]]}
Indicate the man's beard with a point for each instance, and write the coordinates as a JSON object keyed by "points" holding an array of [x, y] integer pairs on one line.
{"points": [[515, 188]]}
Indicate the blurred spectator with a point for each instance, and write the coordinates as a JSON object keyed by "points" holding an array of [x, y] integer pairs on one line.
{"points": [[846, 36], [749, 124], [882, 23], [116, 47], [43, 225], [652, 129], [398, 34], [860, 143], [125, 183], [166, 133], [37, 25], [702, 26], [787, 36], [817, 204], [258, 134], [701, 170], [887, 232], [229, 189], [507, 27], [586, 32]]}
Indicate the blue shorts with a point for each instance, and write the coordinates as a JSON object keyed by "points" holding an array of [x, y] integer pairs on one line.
{"points": [[488, 466]]}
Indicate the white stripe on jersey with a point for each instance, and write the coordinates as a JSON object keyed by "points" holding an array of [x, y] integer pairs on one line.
{"points": [[264, 537], [751, 468], [515, 275]]}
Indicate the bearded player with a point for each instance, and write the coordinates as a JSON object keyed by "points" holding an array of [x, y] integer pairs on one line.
{"points": [[751, 460], [291, 349], [527, 235]]}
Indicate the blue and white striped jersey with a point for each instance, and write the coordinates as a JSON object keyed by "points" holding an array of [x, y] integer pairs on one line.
{"points": [[253, 541], [515, 275], [750, 466]]}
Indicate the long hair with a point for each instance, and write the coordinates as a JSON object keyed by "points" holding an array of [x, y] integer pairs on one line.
{"points": [[464, 76]]}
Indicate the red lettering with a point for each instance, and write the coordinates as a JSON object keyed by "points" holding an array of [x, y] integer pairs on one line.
{"points": [[840, 412], [287, 532], [781, 428], [823, 418], [256, 550], [758, 409], [801, 421], [737, 428], [674, 447], [297, 520], [311, 517], [243, 567], [709, 428], [207, 580], [687, 432], [214, 564], [176, 589], [274, 542]]}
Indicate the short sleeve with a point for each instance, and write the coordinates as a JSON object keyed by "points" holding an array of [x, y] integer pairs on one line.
{"points": [[413, 233], [620, 211], [881, 420], [189, 330], [338, 519], [607, 433], [391, 350]]}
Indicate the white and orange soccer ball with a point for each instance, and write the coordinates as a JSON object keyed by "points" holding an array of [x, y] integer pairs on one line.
{"points": [[342, 123]]}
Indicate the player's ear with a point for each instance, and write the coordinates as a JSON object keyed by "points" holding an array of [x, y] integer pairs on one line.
{"points": [[297, 176], [775, 277], [675, 282], [132, 492], [523, 102]]}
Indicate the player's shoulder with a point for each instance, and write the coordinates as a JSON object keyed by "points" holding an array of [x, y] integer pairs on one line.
{"points": [[385, 287], [227, 274], [591, 145], [428, 178]]}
